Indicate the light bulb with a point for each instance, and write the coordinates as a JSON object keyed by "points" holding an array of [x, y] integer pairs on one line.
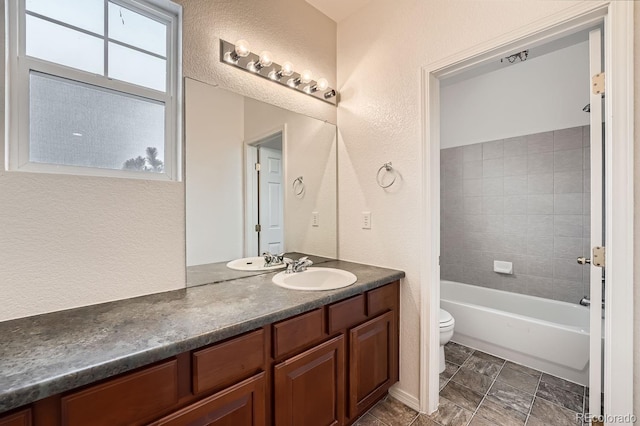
{"points": [[242, 48], [287, 69], [266, 59], [306, 76], [322, 84]]}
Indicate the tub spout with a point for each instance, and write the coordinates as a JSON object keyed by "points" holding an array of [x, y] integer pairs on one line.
{"points": [[585, 301]]}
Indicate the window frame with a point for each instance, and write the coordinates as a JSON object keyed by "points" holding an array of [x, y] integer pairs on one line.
{"points": [[19, 66]]}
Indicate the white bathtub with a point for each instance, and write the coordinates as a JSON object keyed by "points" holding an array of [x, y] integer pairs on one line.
{"points": [[547, 335]]}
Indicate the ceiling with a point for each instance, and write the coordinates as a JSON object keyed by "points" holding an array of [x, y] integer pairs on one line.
{"points": [[338, 9], [534, 51]]}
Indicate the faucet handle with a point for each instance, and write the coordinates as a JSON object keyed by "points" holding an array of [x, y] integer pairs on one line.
{"points": [[289, 263]]}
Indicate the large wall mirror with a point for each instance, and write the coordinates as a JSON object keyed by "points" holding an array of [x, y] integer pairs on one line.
{"points": [[235, 209]]}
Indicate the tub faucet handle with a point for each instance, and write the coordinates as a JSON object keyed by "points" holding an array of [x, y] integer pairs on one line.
{"points": [[583, 260]]}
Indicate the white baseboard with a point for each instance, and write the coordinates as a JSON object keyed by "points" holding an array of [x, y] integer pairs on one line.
{"points": [[405, 397]]}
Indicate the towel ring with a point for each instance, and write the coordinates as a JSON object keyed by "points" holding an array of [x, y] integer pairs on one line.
{"points": [[386, 167], [298, 186]]}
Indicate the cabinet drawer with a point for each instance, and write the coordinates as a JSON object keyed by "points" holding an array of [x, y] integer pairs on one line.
{"points": [[382, 299], [347, 313], [125, 400], [228, 362], [21, 418], [298, 332], [242, 404]]}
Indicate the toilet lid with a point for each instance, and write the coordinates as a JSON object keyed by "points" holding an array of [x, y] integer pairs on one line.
{"points": [[445, 317]]}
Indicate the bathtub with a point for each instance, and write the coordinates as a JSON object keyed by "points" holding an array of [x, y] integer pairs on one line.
{"points": [[547, 335]]}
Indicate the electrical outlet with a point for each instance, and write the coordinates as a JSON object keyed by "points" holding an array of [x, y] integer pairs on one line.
{"points": [[366, 220], [315, 219]]}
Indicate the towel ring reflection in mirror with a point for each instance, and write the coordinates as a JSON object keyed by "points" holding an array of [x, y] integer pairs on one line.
{"points": [[298, 187], [387, 167]]}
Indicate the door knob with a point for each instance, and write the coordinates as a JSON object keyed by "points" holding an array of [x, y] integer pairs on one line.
{"points": [[583, 260]]}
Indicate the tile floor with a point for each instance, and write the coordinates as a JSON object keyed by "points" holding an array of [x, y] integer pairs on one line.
{"points": [[478, 389]]}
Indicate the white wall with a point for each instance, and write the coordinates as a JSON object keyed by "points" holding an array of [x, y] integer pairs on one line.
{"points": [[310, 152], [69, 241], [541, 94], [214, 134], [380, 52], [636, 248]]}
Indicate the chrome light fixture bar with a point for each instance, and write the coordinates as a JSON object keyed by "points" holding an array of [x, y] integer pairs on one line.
{"points": [[238, 55]]}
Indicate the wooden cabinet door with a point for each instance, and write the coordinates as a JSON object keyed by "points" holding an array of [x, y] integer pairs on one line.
{"points": [[239, 405], [309, 388], [21, 418], [373, 361]]}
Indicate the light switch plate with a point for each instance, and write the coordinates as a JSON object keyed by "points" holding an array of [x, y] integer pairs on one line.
{"points": [[315, 219], [366, 220]]}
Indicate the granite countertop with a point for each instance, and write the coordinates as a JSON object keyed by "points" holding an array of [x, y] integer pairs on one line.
{"points": [[48, 354]]}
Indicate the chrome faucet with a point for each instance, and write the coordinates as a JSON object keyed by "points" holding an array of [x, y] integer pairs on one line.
{"points": [[299, 265], [273, 259]]}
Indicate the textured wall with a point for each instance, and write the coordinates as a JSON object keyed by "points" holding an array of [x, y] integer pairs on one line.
{"points": [[523, 200], [380, 52], [543, 93], [70, 241], [290, 30]]}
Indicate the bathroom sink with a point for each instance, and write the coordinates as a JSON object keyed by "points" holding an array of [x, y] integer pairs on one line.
{"points": [[252, 264], [315, 279]]}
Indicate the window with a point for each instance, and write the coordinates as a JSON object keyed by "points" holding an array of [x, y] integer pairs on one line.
{"points": [[94, 87]]}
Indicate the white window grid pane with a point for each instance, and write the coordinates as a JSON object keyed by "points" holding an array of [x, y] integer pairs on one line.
{"points": [[150, 44], [135, 67], [135, 29], [22, 64], [64, 46], [85, 14]]}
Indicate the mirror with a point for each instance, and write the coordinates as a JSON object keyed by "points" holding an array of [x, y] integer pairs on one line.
{"points": [[235, 209]]}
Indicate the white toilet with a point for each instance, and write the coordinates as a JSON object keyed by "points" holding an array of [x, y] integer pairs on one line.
{"points": [[446, 332]]}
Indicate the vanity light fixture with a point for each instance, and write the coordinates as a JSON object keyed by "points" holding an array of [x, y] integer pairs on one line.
{"points": [[240, 50], [240, 56], [285, 71]]}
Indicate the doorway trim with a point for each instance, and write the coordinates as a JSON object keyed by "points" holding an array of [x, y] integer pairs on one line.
{"points": [[618, 30], [251, 187]]}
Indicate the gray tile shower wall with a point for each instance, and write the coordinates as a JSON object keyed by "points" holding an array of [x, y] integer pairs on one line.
{"points": [[523, 200]]}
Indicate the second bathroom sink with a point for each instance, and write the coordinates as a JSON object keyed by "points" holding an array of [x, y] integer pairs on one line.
{"points": [[252, 264]]}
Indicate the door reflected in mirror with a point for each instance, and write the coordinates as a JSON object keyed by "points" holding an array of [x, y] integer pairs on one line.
{"points": [[259, 178], [265, 169]]}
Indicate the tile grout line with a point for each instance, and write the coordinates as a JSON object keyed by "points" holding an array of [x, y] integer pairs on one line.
{"points": [[504, 362], [555, 403], [535, 395], [371, 409]]}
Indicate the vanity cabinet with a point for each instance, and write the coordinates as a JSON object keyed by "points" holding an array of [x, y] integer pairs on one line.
{"points": [[309, 388], [323, 367], [21, 418], [372, 361], [241, 404], [128, 399]]}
